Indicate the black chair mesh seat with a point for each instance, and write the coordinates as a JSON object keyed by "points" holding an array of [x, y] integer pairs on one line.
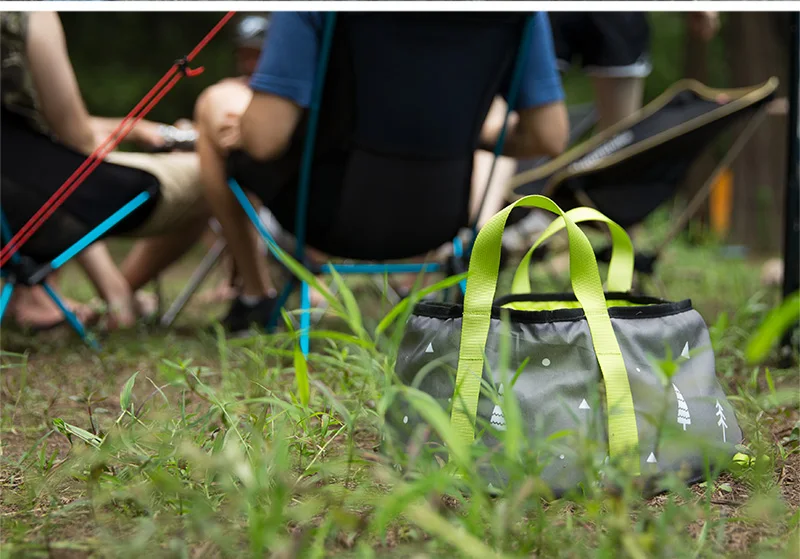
{"points": [[34, 167], [660, 149]]}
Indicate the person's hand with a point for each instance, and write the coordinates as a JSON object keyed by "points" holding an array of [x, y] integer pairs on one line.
{"points": [[228, 133], [162, 137], [184, 124], [149, 135], [703, 24]]}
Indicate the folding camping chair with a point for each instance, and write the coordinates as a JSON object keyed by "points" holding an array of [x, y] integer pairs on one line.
{"points": [[582, 119], [629, 170], [358, 48], [112, 201]]}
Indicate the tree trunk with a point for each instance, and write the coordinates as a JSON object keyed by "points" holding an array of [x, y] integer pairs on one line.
{"points": [[695, 66], [757, 48]]}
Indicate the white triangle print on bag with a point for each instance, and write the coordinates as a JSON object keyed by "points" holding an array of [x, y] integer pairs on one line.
{"points": [[584, 405], [498, 420], [685, 351], [429, 349], [652, 459]]}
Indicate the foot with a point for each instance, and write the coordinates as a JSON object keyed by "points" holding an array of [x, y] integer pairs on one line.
{"points": [[120, 315], [316, 298], [145, 304], [124, 312], [33, 309], [222, 293], [244, 315]]}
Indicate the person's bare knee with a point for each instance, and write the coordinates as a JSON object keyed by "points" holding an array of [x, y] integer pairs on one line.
{"points": [[218, 103]]}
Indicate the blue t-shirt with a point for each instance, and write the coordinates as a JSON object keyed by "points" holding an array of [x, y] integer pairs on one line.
{"points": [[289, 59]]}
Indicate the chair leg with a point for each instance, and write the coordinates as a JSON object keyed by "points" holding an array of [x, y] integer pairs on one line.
{"points": [[5, 297], [391, 295], [96, 233], [305, 299], [280, 303], [198, 277], [305, 317], [460, 263], [71, 318]]}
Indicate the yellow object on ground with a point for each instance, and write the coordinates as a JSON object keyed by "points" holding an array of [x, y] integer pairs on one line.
{"points": [[721, 203]]}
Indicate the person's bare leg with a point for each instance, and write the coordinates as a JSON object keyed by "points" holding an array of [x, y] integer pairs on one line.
{"points": [[213, 107], [497, 195], [241, 243], [504, 170], [616, 99], [110, 283], [149, 257]]}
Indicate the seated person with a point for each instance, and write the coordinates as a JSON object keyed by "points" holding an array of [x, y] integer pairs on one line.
{"points": [[282, 87], [217, 114], [613, 49], [39, 86]]}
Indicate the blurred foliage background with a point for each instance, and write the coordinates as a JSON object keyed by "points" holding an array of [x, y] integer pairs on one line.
{"points": [[119, 56]]}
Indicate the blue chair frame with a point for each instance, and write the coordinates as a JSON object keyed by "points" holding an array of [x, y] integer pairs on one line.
{"points": [[460, 250], [21, 274]]}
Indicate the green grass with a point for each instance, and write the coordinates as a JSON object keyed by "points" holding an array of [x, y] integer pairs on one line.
{"points": [[174, 444]]}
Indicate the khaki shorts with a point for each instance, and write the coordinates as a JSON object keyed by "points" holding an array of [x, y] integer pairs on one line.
{"points": [[181, 202]]}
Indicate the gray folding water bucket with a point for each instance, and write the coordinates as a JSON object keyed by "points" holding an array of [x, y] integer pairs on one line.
{"points": [[582, 367]]}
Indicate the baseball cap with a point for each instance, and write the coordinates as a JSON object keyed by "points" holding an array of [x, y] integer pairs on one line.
{"points": [[251, 31]]}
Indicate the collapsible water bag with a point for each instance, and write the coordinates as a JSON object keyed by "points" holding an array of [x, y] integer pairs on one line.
{"points": [[586, 367]]}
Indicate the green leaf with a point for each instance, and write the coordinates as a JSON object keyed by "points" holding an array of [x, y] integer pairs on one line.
{"points": [[71, 430], [432, 413], [423, 515], [301, 376], [772, 329], [412, 299], [770, 382], [302, 273], [353, 314], [127, 391]]}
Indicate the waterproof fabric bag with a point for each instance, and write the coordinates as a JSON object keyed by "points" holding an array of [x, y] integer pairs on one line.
{"points": [[630, 377]]}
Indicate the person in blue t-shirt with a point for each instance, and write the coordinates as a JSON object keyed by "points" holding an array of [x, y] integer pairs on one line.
{"points": [[282, 86]]}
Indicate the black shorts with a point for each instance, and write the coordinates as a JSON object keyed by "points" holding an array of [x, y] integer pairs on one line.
{"points": [[605, 44]]}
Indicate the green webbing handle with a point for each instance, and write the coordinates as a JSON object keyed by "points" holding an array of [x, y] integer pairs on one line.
{"points": [[481, 285], [620, 268]]}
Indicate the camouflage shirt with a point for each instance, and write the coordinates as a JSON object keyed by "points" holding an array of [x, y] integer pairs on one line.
{"points": [[17, 91]]}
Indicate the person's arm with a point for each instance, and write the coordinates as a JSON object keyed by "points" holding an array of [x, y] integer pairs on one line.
{"points": [[145, 133], [535, 131], [267, 125], [54, 79], [61, 102], [281, 84], [541, 125]]}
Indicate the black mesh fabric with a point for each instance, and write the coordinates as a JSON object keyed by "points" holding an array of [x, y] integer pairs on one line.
{"points": [[33, 167], [632, 188], [404, 100]]}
